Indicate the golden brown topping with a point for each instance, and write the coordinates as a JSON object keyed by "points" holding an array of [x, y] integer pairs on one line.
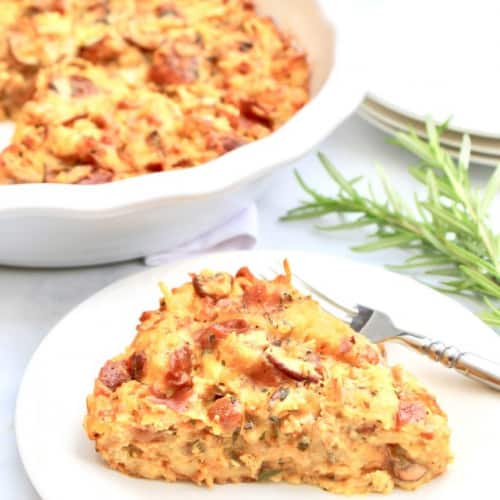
{"points": [[114, 373], [296, 369], [179, 368], [215, 285], [20, 49], [226, 412]]}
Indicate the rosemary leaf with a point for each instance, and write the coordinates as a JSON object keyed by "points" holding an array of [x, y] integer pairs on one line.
{"points": [[447, 230]]}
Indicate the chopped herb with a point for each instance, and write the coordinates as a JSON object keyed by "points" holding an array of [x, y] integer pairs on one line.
{"points": [[281, 394], [266, 474], [245, 46], [133, 451], [303, 444], [199, 445], [235, 435]]}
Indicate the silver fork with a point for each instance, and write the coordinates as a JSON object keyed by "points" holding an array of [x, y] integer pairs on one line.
{"points": [[378, 327]]}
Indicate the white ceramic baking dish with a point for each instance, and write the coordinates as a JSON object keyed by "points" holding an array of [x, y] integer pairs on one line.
{"points": [[66, 225]]}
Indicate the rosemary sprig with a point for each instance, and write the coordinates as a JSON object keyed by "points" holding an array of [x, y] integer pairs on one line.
{"points": [[447, 230]]}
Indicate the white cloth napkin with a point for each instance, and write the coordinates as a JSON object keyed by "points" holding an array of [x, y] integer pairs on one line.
{"points": [[238, 233]]}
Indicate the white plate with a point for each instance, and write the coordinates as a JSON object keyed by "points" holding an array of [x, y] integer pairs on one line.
{"points": [[62, 463], [441, 58], [479, 144], [390, 127]]}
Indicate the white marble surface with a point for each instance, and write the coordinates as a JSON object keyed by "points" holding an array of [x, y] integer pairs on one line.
{"points": [[32, 301]]}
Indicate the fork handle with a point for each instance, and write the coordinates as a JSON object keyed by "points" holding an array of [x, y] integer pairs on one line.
{"points": [[468, 364]]}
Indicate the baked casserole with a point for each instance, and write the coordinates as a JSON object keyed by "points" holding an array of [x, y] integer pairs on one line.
{"points": [[238, 379], [102, 90]]}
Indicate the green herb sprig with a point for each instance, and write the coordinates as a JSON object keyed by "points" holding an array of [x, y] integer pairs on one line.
{"points": [[447, 230]]}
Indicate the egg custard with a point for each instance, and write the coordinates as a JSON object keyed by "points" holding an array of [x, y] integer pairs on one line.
{"points": [[239, 379], [103, 90]]}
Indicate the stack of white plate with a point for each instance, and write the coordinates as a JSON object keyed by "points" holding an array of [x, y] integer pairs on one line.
{"points": [[439, 59]]}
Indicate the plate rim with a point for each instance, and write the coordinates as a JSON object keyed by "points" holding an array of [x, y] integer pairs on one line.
{"points": [[478, 158]]}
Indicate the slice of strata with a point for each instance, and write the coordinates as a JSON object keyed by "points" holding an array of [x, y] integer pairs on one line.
{"points": [[237, 379]]}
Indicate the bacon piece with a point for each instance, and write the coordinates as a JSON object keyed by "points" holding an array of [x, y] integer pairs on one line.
{"points": [[252, 111], [102, 50], [409, 412], [296, 369], [208, 336], [179, 368], [137, 365], [223, 143], [258, 295], [171, 67], [81, 86], [97, 176], [114, 373], [60, 6], [177, 402], [244, 272], [167, 9], [217, 285], [346, 345], [370, 355], [227, 412]]}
